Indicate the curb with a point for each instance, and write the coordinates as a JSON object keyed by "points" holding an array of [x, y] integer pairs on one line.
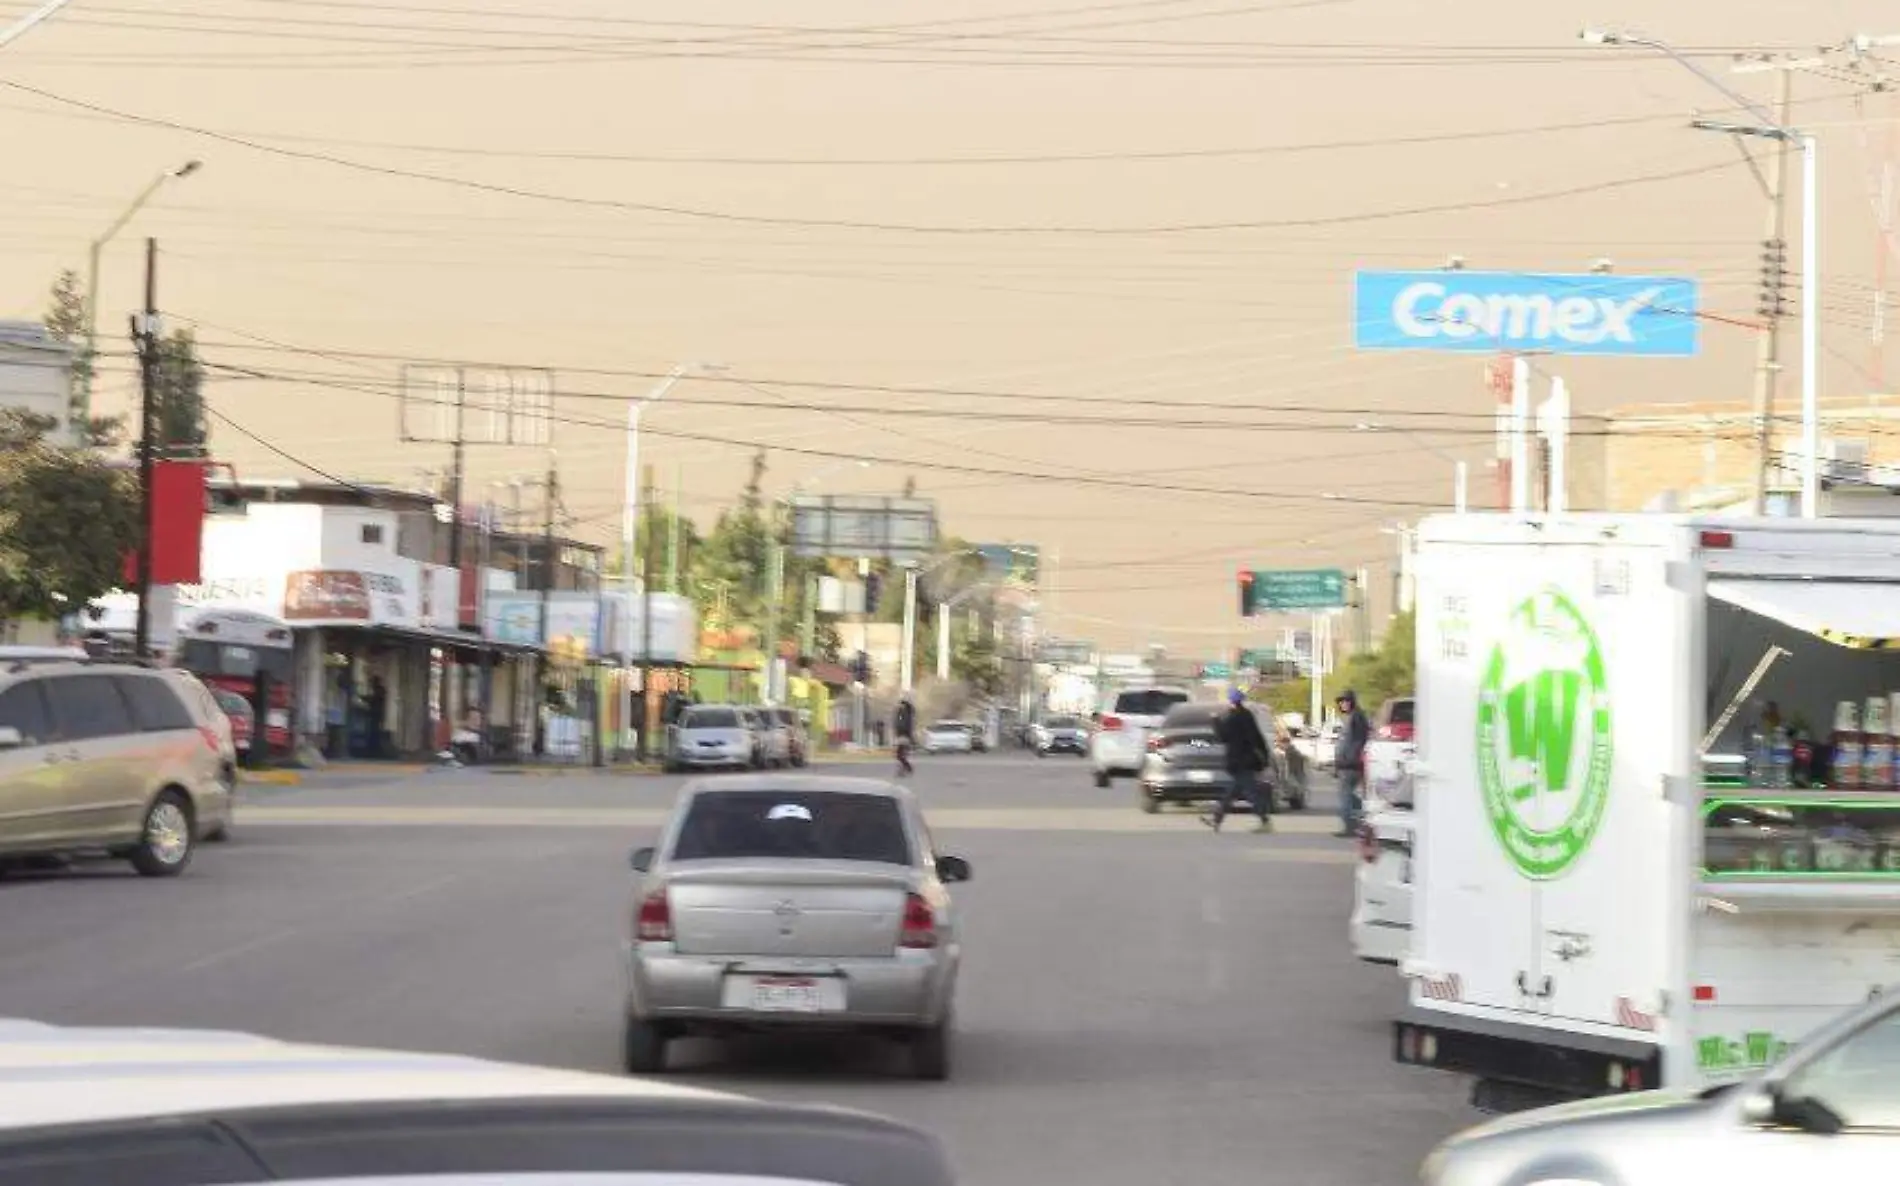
{"points": [[272, 778]]}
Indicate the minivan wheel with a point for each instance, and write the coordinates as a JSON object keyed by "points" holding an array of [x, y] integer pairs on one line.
{"points": [[643, 1048], [165, 839]]}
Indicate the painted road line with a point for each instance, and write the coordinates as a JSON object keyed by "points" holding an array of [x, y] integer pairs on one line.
{"points": [[999, 819]]}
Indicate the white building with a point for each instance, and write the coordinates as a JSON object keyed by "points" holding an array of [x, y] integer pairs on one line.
{"points": [[36, 375]]}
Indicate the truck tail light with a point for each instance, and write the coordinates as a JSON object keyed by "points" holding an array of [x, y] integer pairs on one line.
{"points": [[1111, 723], [655, 924], [1703, 994], [1368, 844], [1718, 539], [920, 924]]}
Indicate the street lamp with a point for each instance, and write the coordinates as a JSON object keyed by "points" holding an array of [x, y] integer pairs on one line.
{"points": [[630, 510], [1767, 127], [92, 273], [25, 24]]}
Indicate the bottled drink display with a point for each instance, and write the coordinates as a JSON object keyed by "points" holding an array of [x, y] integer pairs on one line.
{"points": [[1876, 746], [1849, 752]]}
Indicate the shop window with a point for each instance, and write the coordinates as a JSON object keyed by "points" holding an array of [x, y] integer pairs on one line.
{"points": [[372, 533]]}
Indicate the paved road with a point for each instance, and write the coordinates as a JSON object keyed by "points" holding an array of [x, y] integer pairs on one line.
{"points": [[1143, 1001]]}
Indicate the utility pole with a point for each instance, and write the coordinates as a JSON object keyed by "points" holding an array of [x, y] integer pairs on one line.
{"points": [[646, 623], [910, 628], [145, 332], [1772, 305], [446, 678]]}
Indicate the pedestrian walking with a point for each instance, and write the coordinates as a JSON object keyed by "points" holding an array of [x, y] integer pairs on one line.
{"points": [[904, 732], [1247, 756], [1349, 761]]}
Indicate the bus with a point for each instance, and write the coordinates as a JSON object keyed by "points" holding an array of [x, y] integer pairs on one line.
{"points": [[226, 648]]}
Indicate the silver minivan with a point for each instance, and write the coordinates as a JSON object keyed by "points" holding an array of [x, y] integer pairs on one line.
{"points": [[107, 758]]}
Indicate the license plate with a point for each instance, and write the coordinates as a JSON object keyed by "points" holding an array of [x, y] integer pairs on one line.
{"points": [[785, 994], [1200, 776]]}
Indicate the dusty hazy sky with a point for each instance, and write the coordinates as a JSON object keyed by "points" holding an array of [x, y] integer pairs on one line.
{"points": [[770, 120]]}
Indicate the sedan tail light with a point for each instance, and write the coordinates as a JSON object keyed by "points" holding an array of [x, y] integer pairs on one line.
{"points": [[1111, 723], [920, 924], [655, 924], [1157, 744], [210, 735]]}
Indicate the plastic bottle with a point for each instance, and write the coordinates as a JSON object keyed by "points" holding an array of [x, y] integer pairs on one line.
{"points": [[1760, 769], [1781, 759], [1848, 760], [1877, 746]]}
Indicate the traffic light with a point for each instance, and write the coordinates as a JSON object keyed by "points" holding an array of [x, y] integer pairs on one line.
{"points": [[1246, 593], [873, 591], [861, 667]]}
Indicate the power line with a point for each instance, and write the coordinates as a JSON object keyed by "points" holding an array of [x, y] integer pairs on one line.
{"points": [[854, 224]]}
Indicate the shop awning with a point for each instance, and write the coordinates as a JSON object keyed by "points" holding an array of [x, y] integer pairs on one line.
{"points": [[1863, 615], [456, 639]]}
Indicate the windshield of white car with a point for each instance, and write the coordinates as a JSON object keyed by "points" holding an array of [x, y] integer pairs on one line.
{"points": [[1150, 702], [797, 825], [709, 718], [1060, 723]]}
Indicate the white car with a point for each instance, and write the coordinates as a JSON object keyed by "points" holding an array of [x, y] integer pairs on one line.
{"points": [[1381, 923], [158, 1106], [1119, 743], [949, 737]]}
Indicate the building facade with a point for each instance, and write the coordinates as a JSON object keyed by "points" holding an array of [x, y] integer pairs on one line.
{"points": [[36, 377]]}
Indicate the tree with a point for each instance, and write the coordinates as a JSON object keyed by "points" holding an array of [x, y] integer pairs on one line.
{"points": [[66, 323], [179, 397], [67, 520], [732, 568]]}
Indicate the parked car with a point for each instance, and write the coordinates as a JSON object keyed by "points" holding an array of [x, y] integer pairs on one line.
{"points": [[1120, 740], [1187, 763], [774, 737], [1381, 923], [979, 736], [1391, 752], [165, 1107], [1828, 1112], [242, 716], [107, 758], [793, 902], [1059, 735], [948, 737], [797, 742], [710, 736]]}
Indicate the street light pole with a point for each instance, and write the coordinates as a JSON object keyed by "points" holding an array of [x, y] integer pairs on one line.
{"points": [[84, 411], [630, 506], [25, 24]]}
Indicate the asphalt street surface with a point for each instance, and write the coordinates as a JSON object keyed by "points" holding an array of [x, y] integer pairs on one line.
{"points": [[1142, 1001]]}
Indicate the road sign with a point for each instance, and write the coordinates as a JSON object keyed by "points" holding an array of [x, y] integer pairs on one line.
{"points": [[898, 529], [476, 405], [1065, 652], [1217, 671], [1288, 590], [1549, 313]]}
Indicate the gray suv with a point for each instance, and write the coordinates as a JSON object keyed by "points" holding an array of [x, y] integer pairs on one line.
{"points": [[107, 758]]}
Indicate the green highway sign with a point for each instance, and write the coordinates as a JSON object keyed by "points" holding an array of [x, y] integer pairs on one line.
{"points": [[1287, 590], [1261, 658], [1217, 671]]}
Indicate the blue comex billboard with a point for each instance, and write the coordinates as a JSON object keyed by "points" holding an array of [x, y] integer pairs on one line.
{"points": [[1527, 312]]}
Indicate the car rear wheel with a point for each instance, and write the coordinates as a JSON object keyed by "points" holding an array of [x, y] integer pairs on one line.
{"points": [[643, 1049], [1150, 802], [165, 839], [930, 1053], [1101, 778]]}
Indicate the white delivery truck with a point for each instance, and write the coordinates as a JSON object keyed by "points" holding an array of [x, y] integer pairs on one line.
{"points": [[1612, 893]]}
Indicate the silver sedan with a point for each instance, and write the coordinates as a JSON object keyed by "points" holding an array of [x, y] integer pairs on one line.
{"points": [[778, 902]]}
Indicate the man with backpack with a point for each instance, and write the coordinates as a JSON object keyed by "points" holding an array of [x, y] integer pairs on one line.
{"points": [[904, 733], [1247, 756]]}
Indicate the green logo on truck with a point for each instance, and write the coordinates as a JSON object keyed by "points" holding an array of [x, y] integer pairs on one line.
{"points": [[1753, 1051], [1544, 745]]}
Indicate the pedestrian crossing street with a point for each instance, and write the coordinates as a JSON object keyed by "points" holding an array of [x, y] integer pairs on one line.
{"points": [[947, 819]]}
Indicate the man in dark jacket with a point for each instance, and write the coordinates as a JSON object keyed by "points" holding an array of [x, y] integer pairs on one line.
{"points": [[1247, 756], [1349, 760], [904, 731]]}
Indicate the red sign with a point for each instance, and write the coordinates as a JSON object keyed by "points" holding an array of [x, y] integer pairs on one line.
{"points": [[326, 596], [178, 525]]}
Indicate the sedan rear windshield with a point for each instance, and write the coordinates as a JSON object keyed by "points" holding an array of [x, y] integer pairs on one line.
{"points": [[797, 825], [1060, 722], [1192, 716], [1152, 702], [710, 718], [1399, 712]]}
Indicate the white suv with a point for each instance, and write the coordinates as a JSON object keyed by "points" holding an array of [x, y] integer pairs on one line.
{"points": [[1120, 740]]}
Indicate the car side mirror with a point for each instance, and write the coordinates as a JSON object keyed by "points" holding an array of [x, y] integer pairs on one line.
{"points": [[10, 738], [642, 860], [953, 869]]}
